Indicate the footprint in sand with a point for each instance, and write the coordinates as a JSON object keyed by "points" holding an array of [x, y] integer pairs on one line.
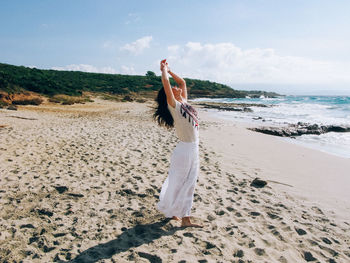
{"points": [[317, 210], [254, 213], [300, 231], [273, 216], [220, 212], [150, 257], [308, 256], [239, 253], [259, 251]]}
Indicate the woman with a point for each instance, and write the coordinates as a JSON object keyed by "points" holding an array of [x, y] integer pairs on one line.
{"points": [[176, 196]]}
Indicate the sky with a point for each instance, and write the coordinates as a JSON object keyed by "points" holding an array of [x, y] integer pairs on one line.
{"points": [[290, 46]]}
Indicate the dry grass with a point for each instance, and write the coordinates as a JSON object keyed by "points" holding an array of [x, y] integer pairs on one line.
{"points": [[24, 98], [106, 96], [3, 104], [123, 98], [28, 101], [69, 100]]}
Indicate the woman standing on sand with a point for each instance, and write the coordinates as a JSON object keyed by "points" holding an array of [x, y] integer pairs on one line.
{"points": [[176, 196]]}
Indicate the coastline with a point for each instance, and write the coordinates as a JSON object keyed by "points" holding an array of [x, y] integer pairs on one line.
{"points": [[317, 122], [81, 182], [311, 174]]}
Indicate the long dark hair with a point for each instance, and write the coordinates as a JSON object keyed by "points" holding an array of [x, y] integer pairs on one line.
{"points": [[162, 114]]}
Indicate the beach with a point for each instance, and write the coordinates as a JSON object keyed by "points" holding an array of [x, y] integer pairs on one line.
{"points": [[80, 183]]}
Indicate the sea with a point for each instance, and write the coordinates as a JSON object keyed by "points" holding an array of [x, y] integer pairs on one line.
{"points": [[322, 110]]}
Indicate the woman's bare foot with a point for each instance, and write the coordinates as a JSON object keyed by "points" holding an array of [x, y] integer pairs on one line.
{"points": [[176, 218], [186, 222]]}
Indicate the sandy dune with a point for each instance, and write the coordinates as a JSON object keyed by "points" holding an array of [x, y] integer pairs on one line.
{"points": [[80, 184]]}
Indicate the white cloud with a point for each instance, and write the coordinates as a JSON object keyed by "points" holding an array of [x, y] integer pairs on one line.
{"points": [[138, 46], [124, 69], [129, 70], [227, 63], [87, 68]]}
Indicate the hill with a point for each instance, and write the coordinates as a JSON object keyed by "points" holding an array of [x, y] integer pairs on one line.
{"points": [[15, 79]]}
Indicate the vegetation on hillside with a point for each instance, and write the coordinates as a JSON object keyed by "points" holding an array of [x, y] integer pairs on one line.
{"points": [[14, 79]]}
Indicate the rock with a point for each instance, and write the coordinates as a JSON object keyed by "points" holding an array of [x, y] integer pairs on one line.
{"points": [[258, 183], [300, 128], [12, 107], [334, 128], [232, 106]]}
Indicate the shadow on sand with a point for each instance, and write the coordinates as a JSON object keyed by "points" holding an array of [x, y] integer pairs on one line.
{"points": [[130, 238]]}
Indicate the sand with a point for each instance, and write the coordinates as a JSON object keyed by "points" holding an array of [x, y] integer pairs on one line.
{"points": [[80, 183]]}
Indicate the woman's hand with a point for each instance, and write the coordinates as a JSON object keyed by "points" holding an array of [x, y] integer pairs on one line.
{"points": [[164, 66]]}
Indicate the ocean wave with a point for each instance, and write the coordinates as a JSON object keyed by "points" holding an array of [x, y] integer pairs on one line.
{"points": [[321, 110]]}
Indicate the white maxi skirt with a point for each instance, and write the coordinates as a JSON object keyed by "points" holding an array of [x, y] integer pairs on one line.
{"points": [[176, 196]]}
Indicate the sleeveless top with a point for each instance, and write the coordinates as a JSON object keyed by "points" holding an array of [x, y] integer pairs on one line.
{"points": [[186, 121]]}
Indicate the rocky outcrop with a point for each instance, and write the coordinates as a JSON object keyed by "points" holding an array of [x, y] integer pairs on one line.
{"points": [[244, 107], [301, 128]]}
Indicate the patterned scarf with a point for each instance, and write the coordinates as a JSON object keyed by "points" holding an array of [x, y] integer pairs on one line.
{"points": [[187, 109]]}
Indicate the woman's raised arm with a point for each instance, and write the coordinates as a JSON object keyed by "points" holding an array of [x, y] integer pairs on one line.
{"points": [[181, 82], [166, 84]]}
